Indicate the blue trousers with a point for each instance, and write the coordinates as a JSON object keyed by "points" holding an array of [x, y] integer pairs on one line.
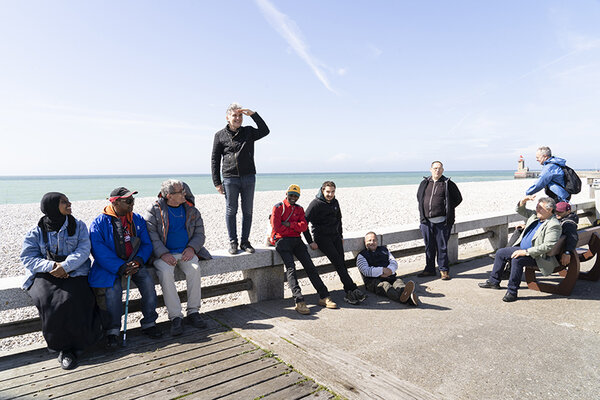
{"points": [[111, 313], [436, 238], [516, 268], [235, 188]]}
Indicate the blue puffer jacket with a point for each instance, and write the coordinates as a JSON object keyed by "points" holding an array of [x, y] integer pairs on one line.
{"points": [[553, 177], [76, 248], [106, 262]]}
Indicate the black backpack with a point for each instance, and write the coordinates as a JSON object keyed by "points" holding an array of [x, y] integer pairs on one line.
{"points": [[572, 181]]}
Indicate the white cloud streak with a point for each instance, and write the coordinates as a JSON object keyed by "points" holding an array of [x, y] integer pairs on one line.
{"points": [[288, 30]]}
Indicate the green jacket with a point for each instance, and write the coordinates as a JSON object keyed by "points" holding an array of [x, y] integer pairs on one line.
{"points": [[544, 239]]}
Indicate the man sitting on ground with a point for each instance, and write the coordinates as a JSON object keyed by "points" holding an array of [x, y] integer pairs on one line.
{"points": [[542, 231], [288, 222], [177, 233], [378, 269], [121, 247]]}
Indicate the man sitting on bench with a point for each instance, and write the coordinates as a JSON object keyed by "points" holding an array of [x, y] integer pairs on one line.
{"points": [[568, 222], [541, 233]]}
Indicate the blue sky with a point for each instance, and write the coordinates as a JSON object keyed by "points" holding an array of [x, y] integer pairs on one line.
{"points": [[135, 87]]}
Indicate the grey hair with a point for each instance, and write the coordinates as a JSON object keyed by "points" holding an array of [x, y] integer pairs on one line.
{"points": [[549, 203], [168, 186], [545, 151], [233, 107]]}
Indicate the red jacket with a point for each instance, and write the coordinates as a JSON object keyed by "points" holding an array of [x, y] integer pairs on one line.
{"points": [[292, 214]]}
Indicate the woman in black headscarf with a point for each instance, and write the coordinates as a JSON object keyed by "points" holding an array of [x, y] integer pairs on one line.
{"points": [[56, 255]]}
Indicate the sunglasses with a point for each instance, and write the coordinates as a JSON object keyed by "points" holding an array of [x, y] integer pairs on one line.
{"points": [[128, 200]]}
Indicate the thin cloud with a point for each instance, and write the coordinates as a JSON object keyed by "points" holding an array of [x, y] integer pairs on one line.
{"points": [[287, 28]]}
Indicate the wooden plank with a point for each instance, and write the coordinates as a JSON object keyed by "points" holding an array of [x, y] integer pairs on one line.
{"points": [[25, 365], [343, 371], [147, 382], [200, 379], [320, 395], [288, 379], [113, 377], [52, 375], [298, 391]]}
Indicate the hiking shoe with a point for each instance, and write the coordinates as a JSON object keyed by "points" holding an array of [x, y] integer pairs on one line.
{"points": [[445, 275], [302, 308], [489, 285], [196, 320], [426, 273], [112, 342], [153, 332], [67, 360], [407, 292], [176, 326], [233, 248], [247, 247], [350, 297], [360, 296], [327, 302]]}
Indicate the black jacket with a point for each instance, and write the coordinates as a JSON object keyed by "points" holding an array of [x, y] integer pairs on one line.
{"points": [[453, 198], [568, 225], [236, 149], [325, 218]]}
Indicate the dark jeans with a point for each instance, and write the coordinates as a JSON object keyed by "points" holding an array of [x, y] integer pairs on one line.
{"points": [[110, 302], [436, 238], [392, 287], [234, 189], [294, 246], [333, 248], [516, 268]]}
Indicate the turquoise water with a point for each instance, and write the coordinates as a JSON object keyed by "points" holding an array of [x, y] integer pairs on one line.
{"points": [[30, 189]]}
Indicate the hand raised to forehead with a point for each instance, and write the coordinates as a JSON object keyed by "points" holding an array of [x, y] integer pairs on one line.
{"points": [[246, 111]]}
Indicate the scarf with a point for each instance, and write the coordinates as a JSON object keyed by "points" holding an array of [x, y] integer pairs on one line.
{"points": [[53, 220]]}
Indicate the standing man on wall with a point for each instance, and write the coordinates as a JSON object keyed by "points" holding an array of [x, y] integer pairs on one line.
{"points": [[552, 177], [325, 216], [438, 196], [234, 145]]}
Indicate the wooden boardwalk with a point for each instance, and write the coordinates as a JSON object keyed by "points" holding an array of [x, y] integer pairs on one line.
{"points": [[201, 364]]}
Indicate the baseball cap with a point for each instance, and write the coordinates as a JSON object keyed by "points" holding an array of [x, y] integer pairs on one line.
{"points": [[563, 206], [295, 189], [120, 193]]}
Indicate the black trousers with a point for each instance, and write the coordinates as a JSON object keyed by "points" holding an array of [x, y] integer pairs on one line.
{"points": [[294, 246], [333, 248]]}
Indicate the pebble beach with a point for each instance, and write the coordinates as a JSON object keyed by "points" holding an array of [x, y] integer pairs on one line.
{"points": [[363, 209]]}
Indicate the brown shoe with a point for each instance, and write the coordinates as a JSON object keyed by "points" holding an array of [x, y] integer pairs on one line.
{"points": [[302, 308], [445, 275], [327, 302], [408, 290]]}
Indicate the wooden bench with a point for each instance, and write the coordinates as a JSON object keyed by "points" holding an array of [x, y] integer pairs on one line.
{"points": [[587, 237]]}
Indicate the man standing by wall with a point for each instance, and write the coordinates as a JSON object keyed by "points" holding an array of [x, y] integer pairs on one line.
{"points": [[438, 196], [234, 145]]}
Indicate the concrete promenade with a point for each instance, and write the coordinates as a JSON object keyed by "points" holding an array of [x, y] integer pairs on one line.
{"points": [[463, 342]]}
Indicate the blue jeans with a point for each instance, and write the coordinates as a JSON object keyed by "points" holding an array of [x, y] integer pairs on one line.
{"points": [[234, 188], [111, 317], [436, 238], [516, 268]]}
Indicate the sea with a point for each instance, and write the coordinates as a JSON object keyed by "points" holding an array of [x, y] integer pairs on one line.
{"points": [[30, 189]]}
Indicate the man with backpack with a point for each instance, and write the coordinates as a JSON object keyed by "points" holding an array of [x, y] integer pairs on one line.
{"points": [[558, 180], [287, 223]]}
